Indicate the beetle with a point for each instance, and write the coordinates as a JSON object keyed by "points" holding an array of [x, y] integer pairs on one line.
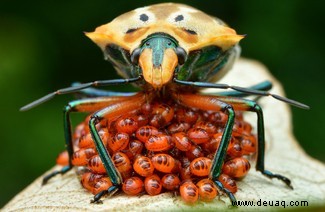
{"points": [[171, 51]]}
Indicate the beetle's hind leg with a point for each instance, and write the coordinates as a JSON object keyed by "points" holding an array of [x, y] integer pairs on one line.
{"points": [[229, 105], [84, 105], [110, 112], [249, 105]]}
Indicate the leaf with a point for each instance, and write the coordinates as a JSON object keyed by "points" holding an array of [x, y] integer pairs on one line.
{"points": [[283, 156]]}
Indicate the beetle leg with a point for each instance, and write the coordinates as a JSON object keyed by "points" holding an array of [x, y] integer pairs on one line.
{"points": [[94, 92], [229, 193], [84, 105], [262, 86], [109, 112], [80, 87], [249, 105], [214, 104], [110, 191], [243, 90]]}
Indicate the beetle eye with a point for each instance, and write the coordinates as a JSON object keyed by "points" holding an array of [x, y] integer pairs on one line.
{"points": [[181, 54], [135, 56]]}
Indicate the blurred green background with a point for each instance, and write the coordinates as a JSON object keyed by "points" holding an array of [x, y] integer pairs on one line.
{"points": [[42, 48]]}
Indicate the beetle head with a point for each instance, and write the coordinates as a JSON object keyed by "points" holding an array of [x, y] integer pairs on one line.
{"points": [[158, 56]]}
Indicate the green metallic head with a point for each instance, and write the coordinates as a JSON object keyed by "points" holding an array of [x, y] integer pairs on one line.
{"points": [[158, 56]]}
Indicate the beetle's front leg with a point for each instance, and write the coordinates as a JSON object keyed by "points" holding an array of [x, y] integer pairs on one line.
{"points": [[214, 104], [110, 112], [249, 105], [262, 86], [84, 105], [95, 92]]}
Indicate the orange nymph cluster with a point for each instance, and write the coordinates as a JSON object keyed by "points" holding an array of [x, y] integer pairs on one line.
{"points": [[164, 147]]}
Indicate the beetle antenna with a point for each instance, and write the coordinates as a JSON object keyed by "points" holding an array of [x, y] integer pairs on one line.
{"points": [[243, 90], [79, 87]]}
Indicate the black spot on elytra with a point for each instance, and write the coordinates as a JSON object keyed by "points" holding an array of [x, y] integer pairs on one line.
{"points": [[179, 18], [144, 17], [192, 32], [131, 30]]}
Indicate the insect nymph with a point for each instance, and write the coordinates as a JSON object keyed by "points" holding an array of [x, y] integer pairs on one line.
{"points": [[170, 51]]}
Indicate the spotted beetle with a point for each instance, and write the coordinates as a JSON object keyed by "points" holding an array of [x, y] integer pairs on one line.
{"points": [[170, 51]]}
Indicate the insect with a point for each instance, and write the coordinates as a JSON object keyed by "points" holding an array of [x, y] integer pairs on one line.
{"points": [[153, 185], [143, 133], [237, 167], [165, 163], [95, 183], [200, 166], [123, 164], [181, 141], [170, 51], [143, 166], [82, 156], [170, 181], [159, 143], [127, 125], [133, 186], [207, 190], [189, 192]]}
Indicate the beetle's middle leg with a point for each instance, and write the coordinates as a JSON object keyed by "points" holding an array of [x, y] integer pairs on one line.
{"points": [[214, 104], [84, 105], [109, 112]]}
